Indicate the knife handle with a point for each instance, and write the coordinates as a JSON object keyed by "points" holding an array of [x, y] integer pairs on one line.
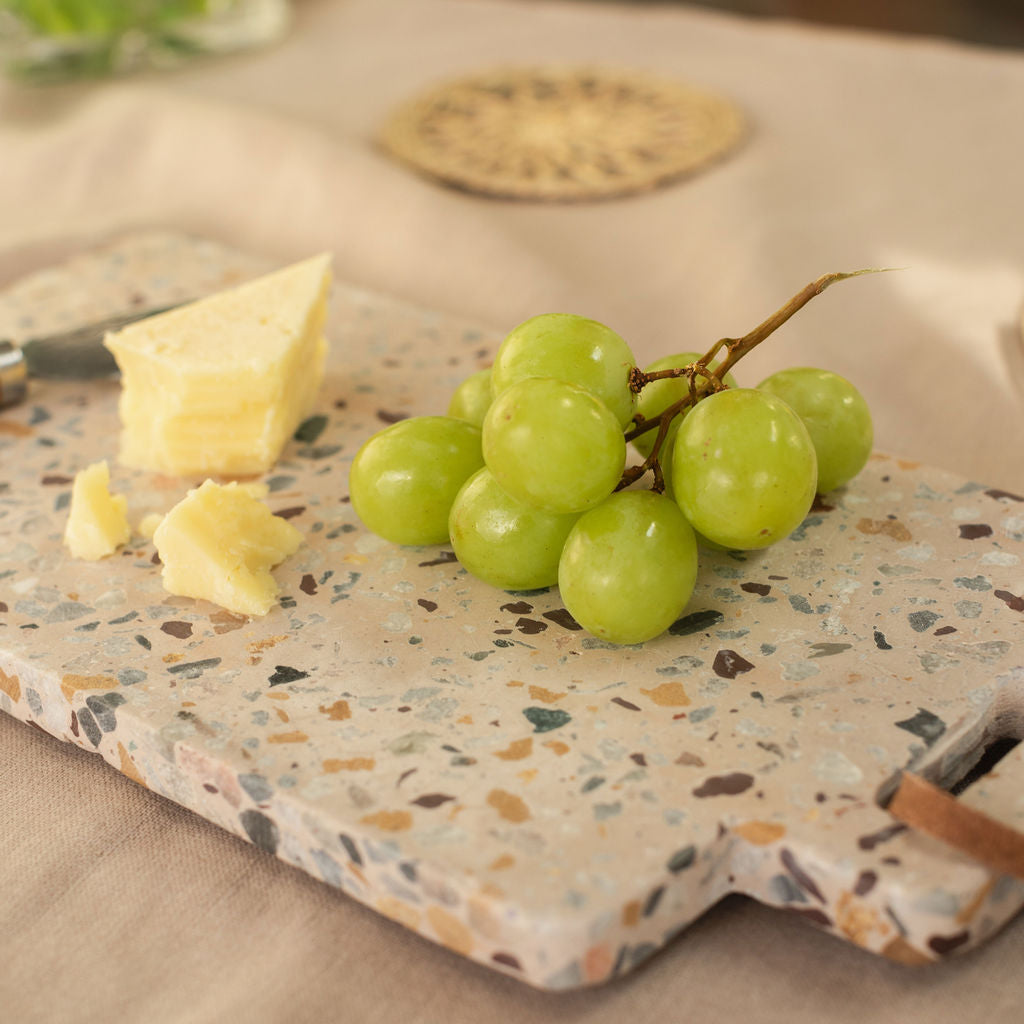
{"points": [[13, 374]]}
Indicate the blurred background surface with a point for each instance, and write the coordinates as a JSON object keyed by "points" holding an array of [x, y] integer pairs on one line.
{"points": [[989, 22]]}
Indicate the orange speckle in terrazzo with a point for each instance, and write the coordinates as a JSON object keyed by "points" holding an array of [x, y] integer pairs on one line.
{"points": [[389, 821], [282, 714], [668, 695], [547, 696], [71, 683], [170, 659], [288, 737], [515, 682], [336, 712], [465, 720], [15, 429], [631, 913], [889, 527], [450, 931], [508, 805], [128, 765], [351, 764], [760, 833], [257, 647], [858, 921], [516, 750], [278, 695], [557, 747], [502, 863], [10, 685], [357, 871], [528, 775]]}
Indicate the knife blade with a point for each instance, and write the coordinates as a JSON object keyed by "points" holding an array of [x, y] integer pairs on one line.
{"points": [[75, 354]]}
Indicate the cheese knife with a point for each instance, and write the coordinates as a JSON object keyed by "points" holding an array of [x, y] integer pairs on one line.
{"points": [[75, 354]]}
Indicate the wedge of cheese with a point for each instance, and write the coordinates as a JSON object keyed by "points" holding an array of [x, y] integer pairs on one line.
{"points": [[218, 386], [97, 524], [219, 544]]}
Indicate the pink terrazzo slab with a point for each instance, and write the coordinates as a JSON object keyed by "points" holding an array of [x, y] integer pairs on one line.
{"points": [[468, 762]]}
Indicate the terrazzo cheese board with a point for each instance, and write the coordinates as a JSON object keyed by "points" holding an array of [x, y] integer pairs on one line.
{"points": [[467, 761]]}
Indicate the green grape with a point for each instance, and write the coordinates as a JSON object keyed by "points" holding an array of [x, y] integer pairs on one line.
{"points": [[404, 479], [503, 542], [836, 417], [553, 445], [629, 567], [570, 348], [658, 395], [744, 468], [472, 398]]}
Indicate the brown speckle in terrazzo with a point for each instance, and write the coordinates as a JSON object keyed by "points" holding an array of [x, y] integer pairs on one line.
{"points": [[623, 703], [443, 558], [800, 876], [946, 944], [1012, 601], [869, 842], [696, 622], [866, 881], [728, 664], [730, 784], [561, 617], [530, 626], [972, 531], [431, 800], [178, 629]]}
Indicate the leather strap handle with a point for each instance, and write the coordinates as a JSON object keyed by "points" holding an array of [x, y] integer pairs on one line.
{"points": [[932, 810]]}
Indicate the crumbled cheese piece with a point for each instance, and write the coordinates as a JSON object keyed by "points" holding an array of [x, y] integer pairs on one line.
{"points": [[219, 544], [148, 524], [97, 524]]}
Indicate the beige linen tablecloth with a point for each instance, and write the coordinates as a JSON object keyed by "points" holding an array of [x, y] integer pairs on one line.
{"points": [[864, 151]]}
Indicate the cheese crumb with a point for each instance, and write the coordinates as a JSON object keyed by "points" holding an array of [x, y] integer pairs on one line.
{"points": [[219, 544], [148, 525], [97, 524]]}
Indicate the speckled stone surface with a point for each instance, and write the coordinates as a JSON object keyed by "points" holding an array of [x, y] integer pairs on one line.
{"points": [[468, 762]]}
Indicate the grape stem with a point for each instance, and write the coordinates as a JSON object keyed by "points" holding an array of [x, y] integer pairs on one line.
{"points": [[705, 379]]}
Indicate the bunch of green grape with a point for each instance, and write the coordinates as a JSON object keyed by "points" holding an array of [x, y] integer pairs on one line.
{"points": [[526, 476]]}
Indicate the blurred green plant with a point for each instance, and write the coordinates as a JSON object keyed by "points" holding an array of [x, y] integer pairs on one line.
{"points": [[49, 40]]}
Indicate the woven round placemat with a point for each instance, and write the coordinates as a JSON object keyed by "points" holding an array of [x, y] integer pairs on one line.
{"points": [[562, 134]]}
